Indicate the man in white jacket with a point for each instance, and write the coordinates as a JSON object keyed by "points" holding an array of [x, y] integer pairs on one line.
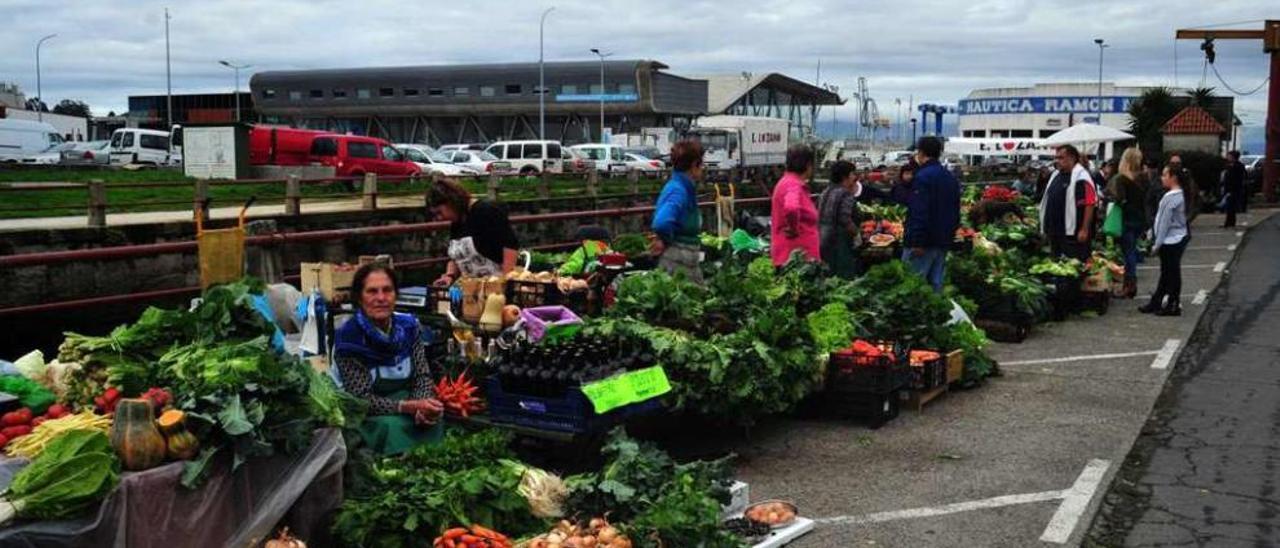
{"points": [[1066, 210]]}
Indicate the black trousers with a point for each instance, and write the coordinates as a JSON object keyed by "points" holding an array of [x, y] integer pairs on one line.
{"points": [[1233, 204], [1170, 285]]}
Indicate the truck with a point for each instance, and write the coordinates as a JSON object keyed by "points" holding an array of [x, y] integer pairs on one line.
{"points": [[281, 146], [22, 138], [741, 141]]}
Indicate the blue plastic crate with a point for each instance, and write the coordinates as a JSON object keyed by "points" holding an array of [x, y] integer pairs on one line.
{"points": [[571, 412]]}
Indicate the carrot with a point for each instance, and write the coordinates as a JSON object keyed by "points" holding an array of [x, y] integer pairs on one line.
{"points": [[454, 533]]}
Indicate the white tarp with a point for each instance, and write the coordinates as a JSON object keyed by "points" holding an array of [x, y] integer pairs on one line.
{"points": [[1086, 134], [973, 146]]}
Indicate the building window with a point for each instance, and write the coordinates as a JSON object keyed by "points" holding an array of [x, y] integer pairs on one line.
{"points": [[626, 88], [410, 92], [597, 89], [1022, 133], [487, 91], [568, 89], [362, 94], [339, 93], [295, 95], [386, 92], [317, 94], [461, 91], [1046, 133], [513, 89], [435, 92], [268, 94]]}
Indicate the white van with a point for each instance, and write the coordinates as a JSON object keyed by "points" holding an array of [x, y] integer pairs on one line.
{"points": [[23, 138], [530, 157], [139, 146], [608, 158]]}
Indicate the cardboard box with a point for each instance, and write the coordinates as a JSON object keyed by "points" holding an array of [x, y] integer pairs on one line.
{"points": [[332, 280]]}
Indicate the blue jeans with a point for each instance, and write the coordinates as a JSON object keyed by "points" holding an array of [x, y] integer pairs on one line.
{"points": [[931, 265], [1129, 245]]}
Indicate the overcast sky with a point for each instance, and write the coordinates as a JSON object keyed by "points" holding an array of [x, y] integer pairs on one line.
{"points": [[937, 51]]}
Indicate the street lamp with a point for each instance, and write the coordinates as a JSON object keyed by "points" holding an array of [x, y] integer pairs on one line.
{"points": [[542, 79], [236, 68], [1101, 46], [602, 56], [39, 92]]}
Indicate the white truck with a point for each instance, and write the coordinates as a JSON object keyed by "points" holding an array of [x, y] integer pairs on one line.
{"points": [[741, 141], [22, 138]]}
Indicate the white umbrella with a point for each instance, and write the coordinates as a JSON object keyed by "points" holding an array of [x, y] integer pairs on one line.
{"points": [[1086, 134]]}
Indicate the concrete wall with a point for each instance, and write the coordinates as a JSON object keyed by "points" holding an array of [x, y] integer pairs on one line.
{"points": [[1197, 143]]}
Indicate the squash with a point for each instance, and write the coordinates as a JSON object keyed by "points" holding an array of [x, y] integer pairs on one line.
{"points": [[180, 443], [134, 435]]}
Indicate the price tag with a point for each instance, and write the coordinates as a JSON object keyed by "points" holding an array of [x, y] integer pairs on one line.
{"points": [[627, 388]]}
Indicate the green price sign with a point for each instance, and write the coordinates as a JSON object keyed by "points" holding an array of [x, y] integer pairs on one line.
{"points": [[627, 388]]}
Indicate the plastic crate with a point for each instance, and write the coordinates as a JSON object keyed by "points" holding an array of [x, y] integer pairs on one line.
{"points": [[571, 412], [1004, 332], [873, 409], [1095, 301], [525, 294], [848, 372], [930, 374], [1064, 298]]}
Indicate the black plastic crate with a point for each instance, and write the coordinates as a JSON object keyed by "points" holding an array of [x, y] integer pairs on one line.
{"points": [[873, 409], [848, 372], [1095, 301], [930, 374], [1004, 332], [526, 294], [1064, 295], [572, 412]]}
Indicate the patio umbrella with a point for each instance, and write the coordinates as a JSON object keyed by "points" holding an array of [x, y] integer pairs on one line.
{"points": [[1086, 134]]}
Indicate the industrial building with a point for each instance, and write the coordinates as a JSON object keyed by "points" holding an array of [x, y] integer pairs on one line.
{"points": [[489, 102], [152, 111]]}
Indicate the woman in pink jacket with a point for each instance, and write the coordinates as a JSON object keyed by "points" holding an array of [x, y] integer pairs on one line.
{"points": [[795, 217]]}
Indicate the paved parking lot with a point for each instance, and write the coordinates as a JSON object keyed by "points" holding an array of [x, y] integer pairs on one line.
{"points": [[1022, 461]]}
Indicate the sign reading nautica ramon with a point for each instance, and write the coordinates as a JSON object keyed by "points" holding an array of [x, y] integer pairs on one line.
{"points": [[1064, 105]]}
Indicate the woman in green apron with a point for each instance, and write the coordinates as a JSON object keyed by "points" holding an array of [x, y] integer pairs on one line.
{"points": [[379, 357]]}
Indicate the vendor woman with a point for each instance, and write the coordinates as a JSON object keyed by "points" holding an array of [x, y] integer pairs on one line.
{"points": [[380, 358], [481, 242], [677, 221]]}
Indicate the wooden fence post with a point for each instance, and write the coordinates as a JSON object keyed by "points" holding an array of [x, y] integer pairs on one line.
{"points": [[493, 186], [293, 196], [593, 183], [370, 191], [97, 203], [633, 179], [200, 202], [544, 185]]}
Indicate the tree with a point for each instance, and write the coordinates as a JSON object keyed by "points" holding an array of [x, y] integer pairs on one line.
{"points": [[72, 107], [1201, 97], [1149, 113], [35, 104]]}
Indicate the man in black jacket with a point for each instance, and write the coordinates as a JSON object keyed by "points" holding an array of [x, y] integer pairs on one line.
{"points": [[1233, 187]]}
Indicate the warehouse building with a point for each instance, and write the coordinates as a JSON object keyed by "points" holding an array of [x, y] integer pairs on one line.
{"points": [[490, 102], [152, 111]]}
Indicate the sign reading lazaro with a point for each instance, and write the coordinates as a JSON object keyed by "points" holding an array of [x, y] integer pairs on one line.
{"points": [[1045, 105]]}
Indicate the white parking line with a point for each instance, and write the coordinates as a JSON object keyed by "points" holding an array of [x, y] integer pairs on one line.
{"points": [[1075, 503], [1239, 234], [1201, 296], [1233, 247], [1219, 267], [1166, 354], [1089, 358]]}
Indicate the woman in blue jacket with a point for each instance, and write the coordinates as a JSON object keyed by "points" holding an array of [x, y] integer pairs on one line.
{"points": [[677, 222]]}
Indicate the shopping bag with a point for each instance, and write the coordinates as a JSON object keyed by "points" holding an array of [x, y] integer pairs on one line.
{"points": [[1114, 224]]}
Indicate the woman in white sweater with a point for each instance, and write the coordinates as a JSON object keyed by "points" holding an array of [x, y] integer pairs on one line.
{"points": [[1170, 234]]}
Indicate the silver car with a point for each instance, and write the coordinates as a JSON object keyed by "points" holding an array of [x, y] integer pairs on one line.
{"points": [[86, 153]]}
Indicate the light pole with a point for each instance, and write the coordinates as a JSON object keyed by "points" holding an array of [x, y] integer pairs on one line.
{"points": [[236, 68], [897, 101], [168, 77], [39, 92], [1101, 46], [542, 79], [602, 56]]}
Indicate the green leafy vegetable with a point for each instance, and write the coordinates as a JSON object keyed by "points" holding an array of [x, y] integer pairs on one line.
{"points": [[77, 470]]}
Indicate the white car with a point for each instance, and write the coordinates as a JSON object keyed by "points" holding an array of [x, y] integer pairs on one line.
{"points": [[86, 153], [647, 167], [480, 161], [608, 158], [530, 158], [47, 157], [460, 146], [434, 162]]}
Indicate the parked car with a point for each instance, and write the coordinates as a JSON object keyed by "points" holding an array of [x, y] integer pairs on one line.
{"points": [[281, 146], [530, 157], [354, 156], [646, 166], [433, 162], [47, 157], [576, 162], [652, 153], [1253, 171], [86, 153], [140, 146], [608, 158], [461, 146], [19, 138], [479, 161]]}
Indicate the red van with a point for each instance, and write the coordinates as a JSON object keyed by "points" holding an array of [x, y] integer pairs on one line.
{"points": [[281, 146], [353, 156]]}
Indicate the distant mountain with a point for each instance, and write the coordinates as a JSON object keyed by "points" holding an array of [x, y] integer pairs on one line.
{"points": [[1253, 139]]}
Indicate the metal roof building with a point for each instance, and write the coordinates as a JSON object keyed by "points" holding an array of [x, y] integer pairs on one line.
{"points": [[469, 103], [489, 102]]}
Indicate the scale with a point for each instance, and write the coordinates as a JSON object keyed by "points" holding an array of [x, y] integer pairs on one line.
{"points": [[413, 300]]}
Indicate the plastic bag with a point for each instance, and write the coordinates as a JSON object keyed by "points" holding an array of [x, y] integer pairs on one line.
{"points": [[1114, 224], [742, 241], [30, 393]]}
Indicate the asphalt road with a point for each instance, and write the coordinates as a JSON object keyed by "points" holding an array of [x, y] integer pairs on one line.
{"points": [[1205, 470], [1022, 461]]}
